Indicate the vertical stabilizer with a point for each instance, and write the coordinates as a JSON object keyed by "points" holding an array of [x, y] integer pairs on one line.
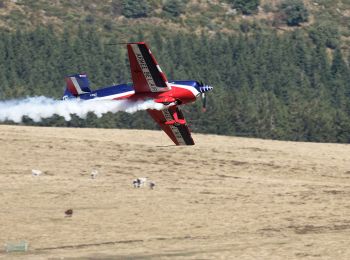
{"points": [[77, 84]]}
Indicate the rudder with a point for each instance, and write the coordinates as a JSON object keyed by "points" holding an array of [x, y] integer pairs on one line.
{"points": [[77, 85]]}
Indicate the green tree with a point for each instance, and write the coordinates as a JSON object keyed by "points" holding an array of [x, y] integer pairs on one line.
{"points": [[325, 33]]}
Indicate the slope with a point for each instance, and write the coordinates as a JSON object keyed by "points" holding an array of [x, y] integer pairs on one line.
{"points": [[225, 197]]}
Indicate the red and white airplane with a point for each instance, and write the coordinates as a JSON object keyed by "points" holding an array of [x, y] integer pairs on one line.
{"points": [[149, 82]]}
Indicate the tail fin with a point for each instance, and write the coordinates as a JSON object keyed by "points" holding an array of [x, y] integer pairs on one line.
{"points": [[77, 84]]}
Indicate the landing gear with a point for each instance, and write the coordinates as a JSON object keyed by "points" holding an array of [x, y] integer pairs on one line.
{"points": [[176, 121]]}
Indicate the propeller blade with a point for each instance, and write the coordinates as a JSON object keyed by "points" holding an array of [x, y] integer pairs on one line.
{"points": [[204, 102]]}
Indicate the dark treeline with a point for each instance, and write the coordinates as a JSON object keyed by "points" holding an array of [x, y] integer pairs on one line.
{"points": [[266, 85]]}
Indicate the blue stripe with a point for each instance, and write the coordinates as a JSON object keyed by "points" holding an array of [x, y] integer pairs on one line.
{"points": [[108, 91], [192, 83]]}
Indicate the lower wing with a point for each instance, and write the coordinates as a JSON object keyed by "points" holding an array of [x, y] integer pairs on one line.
{"points": [[173, 123]]}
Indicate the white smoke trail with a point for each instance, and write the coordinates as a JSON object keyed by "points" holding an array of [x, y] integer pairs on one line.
{"points": [[38, 108]]}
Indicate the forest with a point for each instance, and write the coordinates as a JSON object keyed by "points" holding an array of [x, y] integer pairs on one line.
{"points": [[286, 86]]}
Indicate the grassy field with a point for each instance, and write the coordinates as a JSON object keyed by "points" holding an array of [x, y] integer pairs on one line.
{"points": [[224, 198]]}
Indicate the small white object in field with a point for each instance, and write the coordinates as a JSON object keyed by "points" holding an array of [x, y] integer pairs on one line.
{"points": [[142, 181], [139, 182], [136, 183], [36, 172], [94, 174]]}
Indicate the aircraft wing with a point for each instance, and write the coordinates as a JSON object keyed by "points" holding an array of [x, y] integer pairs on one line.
{"points": [[178, 133], [145, 71]]}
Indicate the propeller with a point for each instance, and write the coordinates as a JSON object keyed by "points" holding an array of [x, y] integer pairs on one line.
{"points": [[204, 102], [204, 88]]}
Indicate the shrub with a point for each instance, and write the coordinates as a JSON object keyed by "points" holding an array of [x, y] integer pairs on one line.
{"points": [[247, 7], [89, 19], [294, 12], [116, 7], [174, 7], [268, 8], [135, 8]]}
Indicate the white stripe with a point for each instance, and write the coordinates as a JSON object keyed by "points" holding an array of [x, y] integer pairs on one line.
{"points": [[76, 85], [148, 76], [178, 135], [115, 95], [194, 91]]}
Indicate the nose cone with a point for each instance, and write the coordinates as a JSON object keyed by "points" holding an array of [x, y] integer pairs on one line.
{"points": [[205, 88]]}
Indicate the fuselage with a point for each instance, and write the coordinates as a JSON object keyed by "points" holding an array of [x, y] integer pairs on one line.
{"points": [[182, 92]]}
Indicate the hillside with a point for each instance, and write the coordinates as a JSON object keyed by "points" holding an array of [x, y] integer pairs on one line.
{"points": [[223, 198], [208, 16]]}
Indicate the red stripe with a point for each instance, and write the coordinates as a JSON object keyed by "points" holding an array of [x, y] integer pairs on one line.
{"points": [[123, 97], [71, 86]]}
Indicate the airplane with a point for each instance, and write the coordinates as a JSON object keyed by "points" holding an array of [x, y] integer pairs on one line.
{"points": [[149, 82]]}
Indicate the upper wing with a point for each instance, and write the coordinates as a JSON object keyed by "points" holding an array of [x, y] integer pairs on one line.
{"points": [[178, 133], [145, 71]]}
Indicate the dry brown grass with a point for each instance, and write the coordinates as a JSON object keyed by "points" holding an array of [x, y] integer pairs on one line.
{"points": [[224, 198]]}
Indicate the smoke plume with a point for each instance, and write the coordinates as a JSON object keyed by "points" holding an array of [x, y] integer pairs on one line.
{"points": [[38, 108]]}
